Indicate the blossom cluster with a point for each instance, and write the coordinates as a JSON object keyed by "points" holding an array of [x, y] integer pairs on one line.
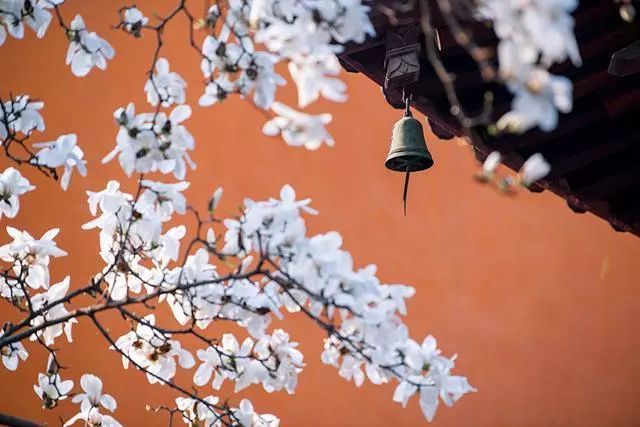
{"points": [[131, 231], [533, 169], [86, 49], [14, 14], [196, 412], [533, 35], [12, 186], [150, 142], [316, 277], [272, 361], [19, 118], [305, 34]]}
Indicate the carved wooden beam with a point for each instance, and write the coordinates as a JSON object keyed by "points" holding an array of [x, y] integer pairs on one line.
{"points": [[402, 58]]}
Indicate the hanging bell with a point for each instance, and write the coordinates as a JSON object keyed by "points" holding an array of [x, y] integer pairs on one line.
{"points": [[408, 151]]}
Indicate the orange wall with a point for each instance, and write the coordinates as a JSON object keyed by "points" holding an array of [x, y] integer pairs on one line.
{"points": [[539, 302]]}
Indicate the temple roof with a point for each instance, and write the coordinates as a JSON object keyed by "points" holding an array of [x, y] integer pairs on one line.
{"points": [[595, 150]]}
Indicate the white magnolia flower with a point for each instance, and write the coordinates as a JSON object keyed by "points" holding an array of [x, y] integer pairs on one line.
{"points": [[153, 351], [215, 199], [211, 361], [223, 57], [248, 417], [283, 357], [12, 354], [533, 35], [94, 419], [63, 152], [52, 310], [90, 401], [539, 96], [50, 388], [299, 129], [216, 91], [261, 78], [491, 163], [21, 115], [194, 411], [86, 49], [31, 256], [16, 13], [134, 20], [92, 395], [12, 186], [165, 87], [168, 198], [534, 169], [149, 142], [350, 20], [314, 76], [292, 30], [430, 376]]}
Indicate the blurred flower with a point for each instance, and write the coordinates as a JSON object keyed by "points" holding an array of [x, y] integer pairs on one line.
{"points": [[134, 20], [86, 49], [12, 186], [299, 129], [534, 169], [63, 152], [165, 87]]}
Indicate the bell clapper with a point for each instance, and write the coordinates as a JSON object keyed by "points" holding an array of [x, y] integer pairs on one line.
{"points": [[407, 113], [406, 190]]}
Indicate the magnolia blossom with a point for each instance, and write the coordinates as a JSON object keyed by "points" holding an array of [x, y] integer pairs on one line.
{"points": [[90, 401], [315, 76], [52, 309], [533, 35], [193, 411], [21, 115], [149, 142], [165, 87], [374, 327], [216, 91], [247, 416], [142, 224], [12, 354], [15, 13], [291, 31], [30, 257], [63, 152], [436, 384], [166, 197], [539, 96], [134, 20], [299, 129], [261, 79], [215, 199], [86, 49], [153, 352], [491, 163], [273, 361], [236, 67], [534, 169], [12, 186], [51, 388]]}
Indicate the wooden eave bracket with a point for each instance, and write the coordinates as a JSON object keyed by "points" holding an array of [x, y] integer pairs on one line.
{"points": [[626, 61], [402, 59]]}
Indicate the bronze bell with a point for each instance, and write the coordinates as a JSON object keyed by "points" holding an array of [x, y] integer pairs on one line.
{"points": [[408, 151]]}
